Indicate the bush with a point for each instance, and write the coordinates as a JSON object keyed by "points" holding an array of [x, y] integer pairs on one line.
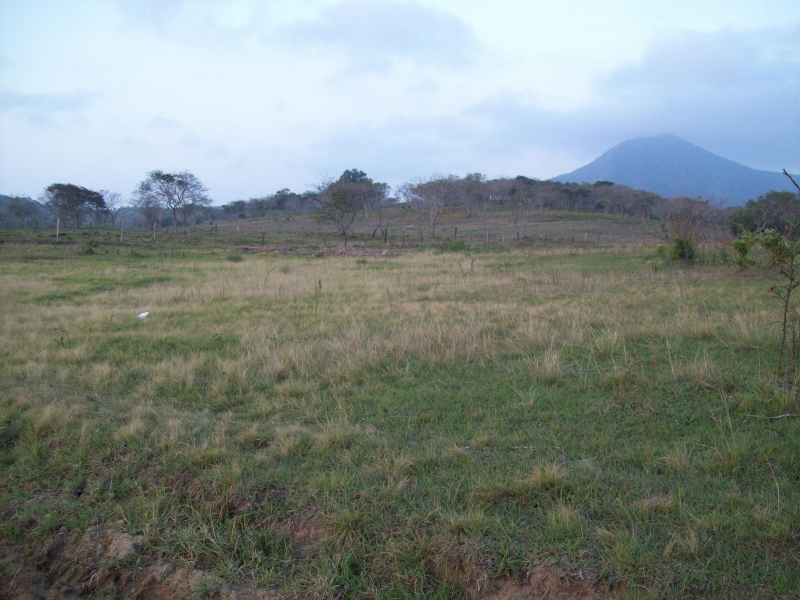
{"points": [[451, 246], [655, 265], [91, 245], [776, 244], [742, 246], [234, 257], [682, 249]]}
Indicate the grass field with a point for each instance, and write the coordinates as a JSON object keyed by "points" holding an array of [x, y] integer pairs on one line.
{"points": [[458, 421]]}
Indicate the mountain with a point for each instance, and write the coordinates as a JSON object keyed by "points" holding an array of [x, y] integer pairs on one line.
{"points": [[670, 166]]}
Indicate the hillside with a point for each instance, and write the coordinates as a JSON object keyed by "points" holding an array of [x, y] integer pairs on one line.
{"points": [[36, 213], [670, 166]]}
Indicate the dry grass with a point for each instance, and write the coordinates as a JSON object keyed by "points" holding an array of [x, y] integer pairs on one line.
{"points": [[555, 402]]}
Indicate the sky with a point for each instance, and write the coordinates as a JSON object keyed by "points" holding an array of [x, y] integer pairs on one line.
{"points": [[256, 96]]}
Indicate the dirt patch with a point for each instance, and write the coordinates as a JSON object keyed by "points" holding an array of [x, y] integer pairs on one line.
{"points": [[356, 251], [306, 531], [465, 567], [338, 251], [546, 582], [108, 564]]}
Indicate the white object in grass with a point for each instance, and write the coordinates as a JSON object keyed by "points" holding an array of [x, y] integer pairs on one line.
{"points": [[143, 315]]}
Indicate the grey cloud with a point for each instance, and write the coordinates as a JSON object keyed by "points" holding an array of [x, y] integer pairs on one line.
{"points": [[163, 123], [191, 141], [55, 102], [218, 152], [240, 162], [723, 58], [734, 93], [158, 14], [374, 34], [47, 110]]}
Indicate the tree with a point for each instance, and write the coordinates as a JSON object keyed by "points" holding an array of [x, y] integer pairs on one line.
{"points": [[180, 193], [148, 204], [429, 197], [22, 208], [235, 209], [113, 204], [72, 201], [688, 220], [472, 191], [380, 202], [341, 200], [775, 210]]}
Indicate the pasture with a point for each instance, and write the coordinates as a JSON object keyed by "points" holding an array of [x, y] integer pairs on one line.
{"points": [[578, 419]]}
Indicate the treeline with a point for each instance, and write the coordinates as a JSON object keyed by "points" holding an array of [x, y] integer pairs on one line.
{"points": [[180, 199], [281, 201], [475, 193]]}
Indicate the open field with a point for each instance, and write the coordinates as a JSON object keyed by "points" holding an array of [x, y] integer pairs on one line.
{"points": [[494, 421]]}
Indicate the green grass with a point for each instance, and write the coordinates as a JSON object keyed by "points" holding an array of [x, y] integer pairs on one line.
{"points": [[403, 426]]}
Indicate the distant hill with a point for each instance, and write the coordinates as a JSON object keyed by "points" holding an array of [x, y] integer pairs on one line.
{"points": [[36, 213], [670, 166]]}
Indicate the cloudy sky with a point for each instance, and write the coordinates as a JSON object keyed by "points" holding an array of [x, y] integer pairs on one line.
{"points": [[254, 96]]}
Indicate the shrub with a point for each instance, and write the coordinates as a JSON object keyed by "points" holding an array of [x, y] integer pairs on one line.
{"points": [[776, 244], [682, 249], [451, 246], [234, 257], [742, 246]]}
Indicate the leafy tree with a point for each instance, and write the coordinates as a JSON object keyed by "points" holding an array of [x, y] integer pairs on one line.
{"points": [[180, 193], [282, 200], [235, 210], [341, 200], [21, 208], [775, 210], [72, 201]]}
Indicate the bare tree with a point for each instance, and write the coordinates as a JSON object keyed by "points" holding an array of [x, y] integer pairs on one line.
{"points": [[380, 202], [113, 204], [430, 197], [693, 219], [148, 204]]}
